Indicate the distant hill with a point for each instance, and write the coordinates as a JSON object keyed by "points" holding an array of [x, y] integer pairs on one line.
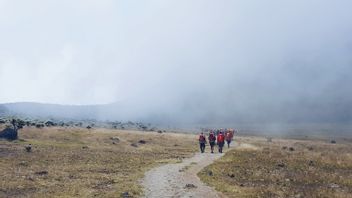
{"points": [[113, 111], [304, 120], [50, 110], [3, 110], [201, 113]]}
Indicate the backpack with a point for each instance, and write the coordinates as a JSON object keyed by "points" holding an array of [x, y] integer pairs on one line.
{"points": [[202, 139], [220, 138], [228, 136], [212, 138]]}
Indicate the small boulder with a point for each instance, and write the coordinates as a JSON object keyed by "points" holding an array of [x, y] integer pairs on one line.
{"points": [[134, 145], [281, 165], [231, 175], [115, 139], [23, 163], [333, 141], [190, 186], [125, 195], [44, 172], [311, 163], [142, 141], [28, 148], [291, 149], [334, 186]]}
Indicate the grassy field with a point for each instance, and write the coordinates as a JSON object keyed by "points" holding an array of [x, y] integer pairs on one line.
{"points": [[76, 162], [283, 168]]}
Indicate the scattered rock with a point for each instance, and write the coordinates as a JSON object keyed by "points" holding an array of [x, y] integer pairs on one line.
{"points": [[334, 186], [88, 127], [23, 163], [241, 185], [311, 163], [291, 149], [210, 173], [284, 147], [176, 145], [159, 131], [126, 195], [84, 147], [114, 143], [310, 148], [287, 180], [281, 165], [142, 141], [115, 139], [30, 178], [231, 175], [190, 186], [134, 145], [333, 141], [28, 148], [41, 172]]}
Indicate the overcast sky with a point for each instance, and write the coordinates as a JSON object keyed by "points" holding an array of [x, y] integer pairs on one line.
{"points": [[237, 55]]}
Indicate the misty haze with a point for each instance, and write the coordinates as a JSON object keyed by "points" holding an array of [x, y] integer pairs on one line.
{"points": [[120, 90]]}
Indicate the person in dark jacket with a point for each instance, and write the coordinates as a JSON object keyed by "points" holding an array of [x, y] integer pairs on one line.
{"points": [[212, 139], [202, 142]]}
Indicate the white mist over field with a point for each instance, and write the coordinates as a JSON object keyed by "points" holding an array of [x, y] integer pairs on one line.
{"points": [[199, 61]]}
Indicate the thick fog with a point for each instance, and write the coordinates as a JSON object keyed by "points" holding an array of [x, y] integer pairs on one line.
{"points": [[200, 61]]}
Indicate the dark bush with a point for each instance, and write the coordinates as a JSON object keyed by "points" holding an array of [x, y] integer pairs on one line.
{"points": [[39, 125]]}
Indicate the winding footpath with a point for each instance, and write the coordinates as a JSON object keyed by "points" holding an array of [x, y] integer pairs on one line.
{"points": [[180, 179]]}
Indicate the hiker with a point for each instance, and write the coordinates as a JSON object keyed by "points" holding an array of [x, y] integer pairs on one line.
{"points": [[202, 142], [212, 139], [221, 141], [228, 137]]}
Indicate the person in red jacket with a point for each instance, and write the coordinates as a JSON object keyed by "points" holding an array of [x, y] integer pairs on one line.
{"points": [[212, 139], [221, 141], [202, 142]]}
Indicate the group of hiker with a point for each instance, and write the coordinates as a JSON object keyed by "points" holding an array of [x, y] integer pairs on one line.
{"points": [[216, 137]]}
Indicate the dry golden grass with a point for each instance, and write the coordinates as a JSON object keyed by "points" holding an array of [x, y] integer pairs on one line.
{"points": [[77, 162], [313, 169]]}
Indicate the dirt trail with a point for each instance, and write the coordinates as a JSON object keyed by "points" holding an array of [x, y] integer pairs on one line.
{"points": [[170, 180]]}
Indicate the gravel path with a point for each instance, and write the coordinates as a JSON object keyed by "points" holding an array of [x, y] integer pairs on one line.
{"points": [[170, 180]]}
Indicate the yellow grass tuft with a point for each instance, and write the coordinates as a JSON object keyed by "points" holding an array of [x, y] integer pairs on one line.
{"points": [[311, 169], [76, 162]]}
